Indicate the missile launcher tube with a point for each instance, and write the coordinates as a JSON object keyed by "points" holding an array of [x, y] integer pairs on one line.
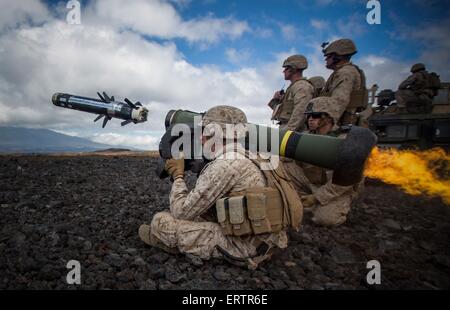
{"points": [[346, 157]]}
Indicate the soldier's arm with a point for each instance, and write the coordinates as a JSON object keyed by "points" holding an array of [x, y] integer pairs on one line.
{"points": [[303, 93], [408, 82], [216, 180]]}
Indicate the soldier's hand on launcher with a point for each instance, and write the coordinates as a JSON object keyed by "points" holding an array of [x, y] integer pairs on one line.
{"points": [[175, 167]]}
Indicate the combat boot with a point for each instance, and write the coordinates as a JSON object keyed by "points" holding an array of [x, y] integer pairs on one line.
{"points": [[145, 233]]}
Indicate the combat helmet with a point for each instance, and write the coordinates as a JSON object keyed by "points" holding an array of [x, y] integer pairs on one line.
{"points": [[317, 81], [417, 67], [341, 47], [322, 105], [223, 115], [298, 62]]}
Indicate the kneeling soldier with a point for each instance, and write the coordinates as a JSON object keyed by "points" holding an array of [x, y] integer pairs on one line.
{"points": [[236, 211]]}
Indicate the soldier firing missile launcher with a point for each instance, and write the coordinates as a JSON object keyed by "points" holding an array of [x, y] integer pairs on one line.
{"points": [[106, 107], [346, 157]]}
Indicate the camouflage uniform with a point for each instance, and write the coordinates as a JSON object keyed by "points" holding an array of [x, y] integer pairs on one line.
{"points": [[183, 228], [339, 86], [413, 93], [289, 112], [186, 228], [333, 201], [345, 79]]}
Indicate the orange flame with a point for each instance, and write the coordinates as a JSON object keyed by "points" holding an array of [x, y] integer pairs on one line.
{"points": [[416, 172]]}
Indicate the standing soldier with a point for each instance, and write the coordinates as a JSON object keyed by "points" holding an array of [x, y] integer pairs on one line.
{"points": [[289, 107], [346, 87], [415, 94], [226, 215]]}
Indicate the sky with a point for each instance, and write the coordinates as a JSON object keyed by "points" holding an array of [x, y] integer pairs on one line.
{"points": [[195, 54]]}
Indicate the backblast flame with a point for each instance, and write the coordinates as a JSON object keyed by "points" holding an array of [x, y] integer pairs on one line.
{"points": [[416, 172]]}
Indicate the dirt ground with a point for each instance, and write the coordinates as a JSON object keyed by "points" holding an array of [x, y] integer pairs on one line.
{"points": [[54, 209]]}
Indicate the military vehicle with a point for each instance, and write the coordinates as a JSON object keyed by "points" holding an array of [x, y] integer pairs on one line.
{"points": [[408, 130]]}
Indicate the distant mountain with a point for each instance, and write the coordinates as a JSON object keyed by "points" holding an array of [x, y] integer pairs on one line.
{"points": [[26, 140]]}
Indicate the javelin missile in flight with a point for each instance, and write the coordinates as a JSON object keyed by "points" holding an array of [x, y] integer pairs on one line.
{"points": [[106, 107]]}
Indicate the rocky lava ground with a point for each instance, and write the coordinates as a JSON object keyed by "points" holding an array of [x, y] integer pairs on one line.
{"points": [[88, 208]]}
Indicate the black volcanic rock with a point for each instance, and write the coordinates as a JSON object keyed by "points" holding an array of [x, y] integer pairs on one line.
{"points": [[61, 208]]}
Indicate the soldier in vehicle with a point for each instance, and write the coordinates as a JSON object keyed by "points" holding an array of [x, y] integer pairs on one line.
{"points": [[415, 94]]}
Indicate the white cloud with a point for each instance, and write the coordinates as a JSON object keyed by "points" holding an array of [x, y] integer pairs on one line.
{"points": [[435, 38], [319, 24], [288, 31], [37, 61], [384, 72], [263, 33], [374, 60], [160, 19], [236, 57], [14, 13], [352, 26]]}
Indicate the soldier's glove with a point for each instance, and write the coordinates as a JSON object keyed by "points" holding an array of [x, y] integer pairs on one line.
{"points": [[175, 167], [308, 201]]}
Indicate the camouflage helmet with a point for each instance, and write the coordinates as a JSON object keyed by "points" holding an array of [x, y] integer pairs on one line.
{"points": [[298, 62], [224, 114], [322, 105], [317, 81], [417, 67], [341, 47]]}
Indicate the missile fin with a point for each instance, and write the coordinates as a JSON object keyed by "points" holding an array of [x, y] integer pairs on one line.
{"points": [[103, 99], [126, 122], [98, 117], [107, 97], [130, 103], [107, 118]]}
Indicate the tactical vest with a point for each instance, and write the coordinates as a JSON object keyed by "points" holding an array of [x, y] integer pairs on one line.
{"points": [[286, 107], [261, 210], [359, 100]]}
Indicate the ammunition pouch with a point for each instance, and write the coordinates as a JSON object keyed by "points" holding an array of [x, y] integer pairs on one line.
{"points": [[259, 211]]}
